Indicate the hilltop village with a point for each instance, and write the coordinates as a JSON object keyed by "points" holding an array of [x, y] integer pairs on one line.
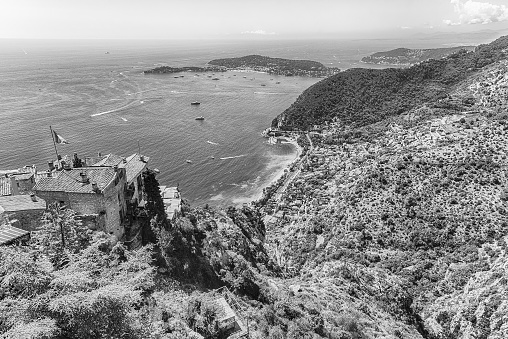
{"points": [[106, 192], [392, 223]]}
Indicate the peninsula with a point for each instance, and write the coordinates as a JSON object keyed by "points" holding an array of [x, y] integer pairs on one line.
{"points": [[408, 57], [277, 66], [168, 69], [257, 63]]}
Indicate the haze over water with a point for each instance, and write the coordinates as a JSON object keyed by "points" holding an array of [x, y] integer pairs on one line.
{"points": [[104, 103]]}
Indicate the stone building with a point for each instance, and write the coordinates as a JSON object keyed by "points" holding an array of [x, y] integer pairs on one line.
{"points": [[17, 183], [96, 193], [134, 166], [22, 211]]}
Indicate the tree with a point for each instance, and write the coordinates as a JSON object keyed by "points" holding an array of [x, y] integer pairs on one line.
{"points": [[157, 218], [61, 234], [95, 295]]}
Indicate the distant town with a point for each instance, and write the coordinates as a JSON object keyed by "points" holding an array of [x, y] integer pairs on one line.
{"points": [[257, 63]]}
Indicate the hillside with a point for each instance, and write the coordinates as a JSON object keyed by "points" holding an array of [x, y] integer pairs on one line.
{"points": [[278, 66], [409, 211], [408, 57], [394, 226], [365, 96]]}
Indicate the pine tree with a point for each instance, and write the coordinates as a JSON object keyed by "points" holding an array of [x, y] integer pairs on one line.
{"points": [[157, 218]]}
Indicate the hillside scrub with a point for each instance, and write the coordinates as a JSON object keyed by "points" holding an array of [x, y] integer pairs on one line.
{"points": [[364, 96]]}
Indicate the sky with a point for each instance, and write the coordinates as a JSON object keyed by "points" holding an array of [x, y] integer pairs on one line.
{"points": [[202, 19]]}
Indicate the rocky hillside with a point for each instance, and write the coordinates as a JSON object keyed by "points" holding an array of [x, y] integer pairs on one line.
{"points": [[408, 57], [365, 96], [405, 220], [394, 225]]}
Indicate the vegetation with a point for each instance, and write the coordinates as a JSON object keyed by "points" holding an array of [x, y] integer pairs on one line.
{"points": [[364, 96], [395, 226], [406, 56], [276, 66], [168, 69]]}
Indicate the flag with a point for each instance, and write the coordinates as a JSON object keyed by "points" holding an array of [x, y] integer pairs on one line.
{"points": [[59, 139]]}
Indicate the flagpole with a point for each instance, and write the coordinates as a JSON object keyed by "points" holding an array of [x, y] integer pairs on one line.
{"points": [[54, 143]]}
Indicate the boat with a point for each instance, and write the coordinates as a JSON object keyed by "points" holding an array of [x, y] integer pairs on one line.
{"points": [[195, 103], [188, 161], [278, 82], [263, 85], [200, 118], [215, 78], [176, 77]]}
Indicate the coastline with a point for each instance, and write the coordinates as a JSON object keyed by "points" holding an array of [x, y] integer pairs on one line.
{"points": [[274, 177]]}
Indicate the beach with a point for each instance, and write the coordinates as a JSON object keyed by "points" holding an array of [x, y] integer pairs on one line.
{"points": [[279, 166]]}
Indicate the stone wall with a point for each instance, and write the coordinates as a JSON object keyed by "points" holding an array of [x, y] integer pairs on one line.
{"points": [[109, 205], [106, 205]]}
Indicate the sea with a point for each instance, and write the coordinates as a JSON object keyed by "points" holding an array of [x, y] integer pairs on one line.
{"points": [[94, 94]]}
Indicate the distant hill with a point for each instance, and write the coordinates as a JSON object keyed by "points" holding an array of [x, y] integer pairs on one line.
{"points": [[276, 66], [406, 56], [365, 96]]}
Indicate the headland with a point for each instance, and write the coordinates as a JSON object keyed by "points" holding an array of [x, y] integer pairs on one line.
{"points": [[257, 63]]}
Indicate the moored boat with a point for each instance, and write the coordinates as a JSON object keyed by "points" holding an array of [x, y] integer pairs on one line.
{"points": [[195, 103], [200, 118]]}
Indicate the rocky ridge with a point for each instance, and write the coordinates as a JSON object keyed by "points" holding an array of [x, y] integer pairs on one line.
{"points": [[409, 57]]}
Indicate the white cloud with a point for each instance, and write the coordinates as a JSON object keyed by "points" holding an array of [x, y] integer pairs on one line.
{"points": [[259, 31], [475, 12]]}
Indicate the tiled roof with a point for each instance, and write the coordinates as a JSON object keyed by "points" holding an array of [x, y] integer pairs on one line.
{"points": [[15, 203], [109, 160], [23, 176], [70, 181], [134, 166], [224, 311], [5, 186], [10, 233]]}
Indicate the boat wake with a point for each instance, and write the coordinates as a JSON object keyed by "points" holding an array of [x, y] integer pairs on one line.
{"points": [[148, 90], [116, 109], [211, 142], [237, 156]]}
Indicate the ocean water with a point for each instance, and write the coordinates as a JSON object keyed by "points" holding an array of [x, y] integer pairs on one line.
{"points": [[102, 102]]}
